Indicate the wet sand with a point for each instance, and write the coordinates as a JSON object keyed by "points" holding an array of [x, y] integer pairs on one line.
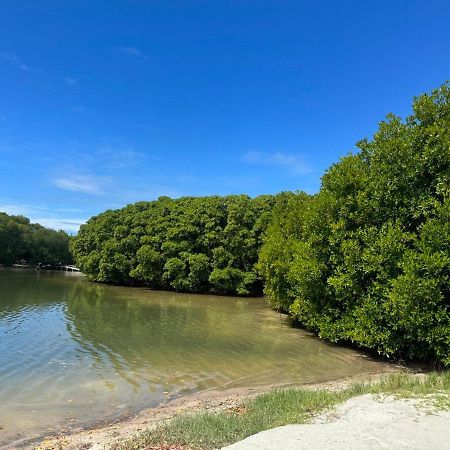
{"points": [[108, 435]]}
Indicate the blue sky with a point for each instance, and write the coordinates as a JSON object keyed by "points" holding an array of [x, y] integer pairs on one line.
{"points": [[106, 103]]}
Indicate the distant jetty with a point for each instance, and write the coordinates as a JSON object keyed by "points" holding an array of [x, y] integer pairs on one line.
{"points": [[70, 268], [67, 268]]}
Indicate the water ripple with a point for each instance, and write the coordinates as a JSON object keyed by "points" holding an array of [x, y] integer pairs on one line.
{"points": [[73, 350]]}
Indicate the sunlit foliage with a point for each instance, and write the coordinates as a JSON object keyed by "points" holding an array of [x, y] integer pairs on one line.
{"points": [[367, 259], [191, 244]]}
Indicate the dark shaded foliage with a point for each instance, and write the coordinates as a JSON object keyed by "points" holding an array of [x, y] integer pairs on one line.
{"points": [[22, 241]]}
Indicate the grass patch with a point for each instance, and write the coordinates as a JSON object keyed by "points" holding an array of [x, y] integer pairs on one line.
{"points": [[211, 430], [433, 389]]}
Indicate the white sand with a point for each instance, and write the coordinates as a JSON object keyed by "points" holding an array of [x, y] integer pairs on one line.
{"points": [[365, 422]]}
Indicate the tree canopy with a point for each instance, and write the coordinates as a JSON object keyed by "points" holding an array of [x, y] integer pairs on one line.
{"points": [[367, 259], [22, 241], [191, 244]]}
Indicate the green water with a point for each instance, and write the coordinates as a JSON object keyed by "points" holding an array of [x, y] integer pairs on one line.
{"points": [[73, 353]]}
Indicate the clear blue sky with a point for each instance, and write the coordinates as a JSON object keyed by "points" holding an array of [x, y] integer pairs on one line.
{"points": [[103, 103]]}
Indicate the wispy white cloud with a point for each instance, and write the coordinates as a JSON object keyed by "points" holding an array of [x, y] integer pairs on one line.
{"points": [[81, 183], [108, 155], [69, 225], [14, 59], [58, 218], [293, 162], [133, 51], [13, 209], [71, 81]]}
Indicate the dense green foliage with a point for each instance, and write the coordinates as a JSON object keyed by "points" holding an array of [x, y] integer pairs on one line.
{"points": [[367, 259], [22, 241], [203, 244]]}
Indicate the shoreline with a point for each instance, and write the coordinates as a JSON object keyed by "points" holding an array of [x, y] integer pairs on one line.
{"points": [[105, 434]]}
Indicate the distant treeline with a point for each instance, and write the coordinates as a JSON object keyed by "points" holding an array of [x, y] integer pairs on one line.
{"points": [[22, 241], [365, 260], [203, 244]]}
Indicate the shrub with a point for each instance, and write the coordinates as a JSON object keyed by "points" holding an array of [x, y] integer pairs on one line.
{"points": [[367, 259], [204, 244]]}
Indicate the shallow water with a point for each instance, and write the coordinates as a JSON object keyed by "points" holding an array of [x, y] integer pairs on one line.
{"points": [[74, 352]]}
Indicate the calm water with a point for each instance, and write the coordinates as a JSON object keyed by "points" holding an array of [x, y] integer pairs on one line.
{"points": [[73, 352]]}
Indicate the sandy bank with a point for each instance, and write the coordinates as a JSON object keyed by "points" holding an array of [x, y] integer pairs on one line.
{"points": [[365, 422], [107, 436]]}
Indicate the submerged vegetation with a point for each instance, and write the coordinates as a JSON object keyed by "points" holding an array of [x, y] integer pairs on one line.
{"points": [[22, 241], [210, 430], [365, 260], [207, 244]]}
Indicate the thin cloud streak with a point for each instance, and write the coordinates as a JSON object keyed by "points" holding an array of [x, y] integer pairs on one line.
{"points": [[134, 51], [295, 163], [80, 183], [14, 59], [68, 225], [57, 218], [71, 81]]}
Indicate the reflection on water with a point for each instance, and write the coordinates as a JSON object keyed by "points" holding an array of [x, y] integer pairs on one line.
{"points": [[72, 352]]}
